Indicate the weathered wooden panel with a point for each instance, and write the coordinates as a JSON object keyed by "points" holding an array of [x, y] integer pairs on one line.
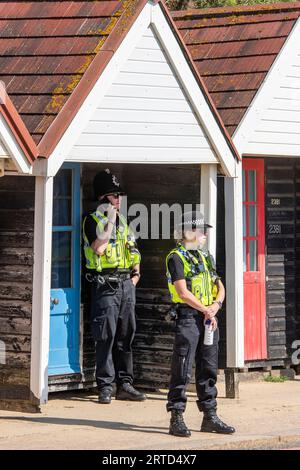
{"points": [[15, 291], [276, 310], [14, 325], [277, 324], [16, 260], [13, 392], [275, 352], [17, 360], [276, 338], [22, 184], [266, 363], [20, 273], [17, 343], [16, 239], [281, 255], [15, 200], [13, 256], [8, 375], [18, 309], [285, 283], [162, 342], [280, 269], [12, 219]]}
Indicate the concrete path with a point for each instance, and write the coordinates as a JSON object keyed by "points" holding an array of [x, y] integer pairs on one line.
{"points": [[266, 415]]}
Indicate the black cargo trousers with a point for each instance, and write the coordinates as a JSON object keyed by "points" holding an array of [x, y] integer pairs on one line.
{"points": [[113, 327], [188, 346]]}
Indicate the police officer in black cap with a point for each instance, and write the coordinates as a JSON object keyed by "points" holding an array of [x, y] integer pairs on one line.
{"points": [[113, 270], [197, 294]]}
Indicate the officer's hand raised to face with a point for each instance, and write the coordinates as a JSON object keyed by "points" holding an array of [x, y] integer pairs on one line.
{"points": [[112, 213]]}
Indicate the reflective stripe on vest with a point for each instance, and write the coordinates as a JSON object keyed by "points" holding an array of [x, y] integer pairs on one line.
{"points": [[121, 251], [201, 284]]}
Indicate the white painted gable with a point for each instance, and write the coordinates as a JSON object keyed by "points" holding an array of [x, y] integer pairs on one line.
{"points": [[12, 157], [144, 115], [7, 165], [137, 110], [271, 125], [3, 150], [4, 156]]}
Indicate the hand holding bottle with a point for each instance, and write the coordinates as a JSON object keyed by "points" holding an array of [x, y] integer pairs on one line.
{"points": [[214, 323]]}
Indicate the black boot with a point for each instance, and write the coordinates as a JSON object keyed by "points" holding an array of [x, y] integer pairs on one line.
{"points": [[105, 396], [177, 425], [211, 423], [127, 392]]}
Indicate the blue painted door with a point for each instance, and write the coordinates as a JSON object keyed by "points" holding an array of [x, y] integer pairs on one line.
{"points": [[65, 274]]}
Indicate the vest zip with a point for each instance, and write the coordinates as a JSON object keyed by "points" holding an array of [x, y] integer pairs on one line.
{"points": [[205, 284], [123, 244]]}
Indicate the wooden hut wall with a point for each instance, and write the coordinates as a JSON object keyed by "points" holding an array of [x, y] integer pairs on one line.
{"points": [[16, 260], [146, 184], [282, 199], [282, 179]]}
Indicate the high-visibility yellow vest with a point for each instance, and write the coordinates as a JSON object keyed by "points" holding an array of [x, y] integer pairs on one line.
{"points": [[121, 251], [199, 274]]}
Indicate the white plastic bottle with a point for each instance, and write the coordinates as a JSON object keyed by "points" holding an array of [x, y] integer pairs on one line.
{"points": [[208, 333]]}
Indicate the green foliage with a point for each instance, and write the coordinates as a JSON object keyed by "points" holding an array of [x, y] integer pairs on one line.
{"points": [[178, 4], [222, 3], [276, 378]]}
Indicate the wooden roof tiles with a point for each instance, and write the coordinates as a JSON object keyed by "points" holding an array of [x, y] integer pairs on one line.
{"points": [[45, 49], [234, 48]]}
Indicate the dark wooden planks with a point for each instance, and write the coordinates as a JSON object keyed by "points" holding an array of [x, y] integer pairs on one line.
{"points": [[16, 260], [153, 344], [281, 257]]}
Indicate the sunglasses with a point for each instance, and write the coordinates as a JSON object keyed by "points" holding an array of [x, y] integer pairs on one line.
{"points": [[203, 230]]}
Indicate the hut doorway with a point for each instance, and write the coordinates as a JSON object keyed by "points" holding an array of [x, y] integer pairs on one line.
{"points": [[64, 351], [254, 259]]}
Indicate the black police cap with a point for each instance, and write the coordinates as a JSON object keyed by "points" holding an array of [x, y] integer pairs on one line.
{"points": [[106, 183]]}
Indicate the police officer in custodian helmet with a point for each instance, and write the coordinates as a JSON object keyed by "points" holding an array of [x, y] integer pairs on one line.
{"points": [[112, 269], [197, 294]]}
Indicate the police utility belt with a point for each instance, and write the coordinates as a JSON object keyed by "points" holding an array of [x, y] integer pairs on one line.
{"points": [[114, 277], [180, 311]]}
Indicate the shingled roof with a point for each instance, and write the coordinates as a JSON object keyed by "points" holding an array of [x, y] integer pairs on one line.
{"points": [[234, 48], [47, 46], [17, 127]]}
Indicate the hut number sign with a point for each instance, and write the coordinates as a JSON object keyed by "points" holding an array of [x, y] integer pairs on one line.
{"points": [[274, 229], [275, 201]]}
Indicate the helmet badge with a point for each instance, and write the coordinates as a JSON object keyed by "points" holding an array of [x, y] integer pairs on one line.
{"points": [[115, 181]]}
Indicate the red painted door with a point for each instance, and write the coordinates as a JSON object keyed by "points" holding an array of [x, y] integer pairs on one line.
{"points": [[254, 259]]}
